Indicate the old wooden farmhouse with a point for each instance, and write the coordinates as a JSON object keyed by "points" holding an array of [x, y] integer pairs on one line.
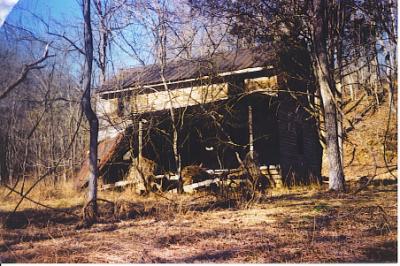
{"points": [[221, 107]]}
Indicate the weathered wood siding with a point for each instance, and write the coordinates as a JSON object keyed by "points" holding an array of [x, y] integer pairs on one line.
{"points": [[268, 84], [107, 106], [178, 98], [159, 99], [110, 124], [298, 164]]}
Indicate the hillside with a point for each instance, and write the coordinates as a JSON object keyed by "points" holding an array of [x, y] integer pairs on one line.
{"points": [[364, 145]]}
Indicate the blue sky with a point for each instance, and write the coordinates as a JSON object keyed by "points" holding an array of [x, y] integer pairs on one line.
{"points": [[66, 12], [47, 9], [59, 10], [5, 8]]}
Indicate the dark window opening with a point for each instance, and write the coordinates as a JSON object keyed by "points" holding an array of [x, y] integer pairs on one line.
{"points": [[120, 107], [299, 138]]}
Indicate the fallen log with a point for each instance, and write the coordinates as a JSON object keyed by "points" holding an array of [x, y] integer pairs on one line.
{"points": [[192, 187]]}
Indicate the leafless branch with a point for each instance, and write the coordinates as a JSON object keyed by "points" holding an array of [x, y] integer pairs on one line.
{"points": [[25, 71]]}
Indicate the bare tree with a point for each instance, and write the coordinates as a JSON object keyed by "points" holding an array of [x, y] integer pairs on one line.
{"points": [[90, 209], [328, 90]]}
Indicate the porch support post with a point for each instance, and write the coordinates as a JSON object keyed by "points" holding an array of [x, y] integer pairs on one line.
{"points": [[251, 136], [140, 141]]}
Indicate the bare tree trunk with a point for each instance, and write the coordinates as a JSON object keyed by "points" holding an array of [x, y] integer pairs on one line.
{"points": [[175, 133], [162, 53], [340, 123], [90, 210], [103, 40], [327, 89]]}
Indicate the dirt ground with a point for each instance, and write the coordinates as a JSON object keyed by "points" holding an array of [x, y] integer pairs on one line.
{"points": [[299, 225]]}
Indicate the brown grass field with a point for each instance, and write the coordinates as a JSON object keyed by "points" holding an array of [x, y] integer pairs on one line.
{"points": [[303, 224]]}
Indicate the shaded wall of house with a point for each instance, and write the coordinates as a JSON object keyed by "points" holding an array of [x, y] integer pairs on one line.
{"points": [[300, 149], [265, 126], [157, 141], [210, 134], [115, 171]]}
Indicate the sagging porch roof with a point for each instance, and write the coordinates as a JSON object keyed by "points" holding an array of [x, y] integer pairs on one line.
{"points": [[107, 149]]}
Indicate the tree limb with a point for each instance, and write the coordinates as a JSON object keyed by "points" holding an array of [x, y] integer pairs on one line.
{"points": [[25, 71]]}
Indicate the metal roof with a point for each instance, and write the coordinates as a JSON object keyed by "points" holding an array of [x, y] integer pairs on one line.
{"points": [[183, 69]]}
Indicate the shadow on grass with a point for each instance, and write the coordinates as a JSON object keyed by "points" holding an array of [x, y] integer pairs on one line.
{"points": [[384, 182], [39, 218], [244, 253], [291, 196], [214, 205], [387, 252], [210, 256]]}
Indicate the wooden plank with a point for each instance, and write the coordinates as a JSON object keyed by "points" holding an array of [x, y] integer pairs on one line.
{"points": [[169, 177], [272, 166], [192, 187], [222, 171], [200, 184], [266, 84]]}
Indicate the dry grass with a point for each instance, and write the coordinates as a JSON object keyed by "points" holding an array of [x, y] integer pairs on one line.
{"points": [[298, 225], [363, 147], [63, 195]]}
